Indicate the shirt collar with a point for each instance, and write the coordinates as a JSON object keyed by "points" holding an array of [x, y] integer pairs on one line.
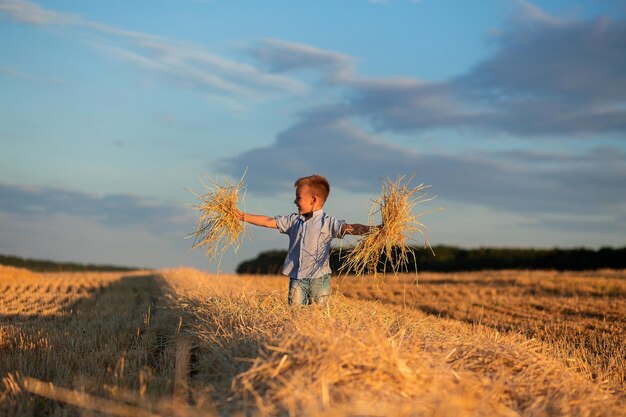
{"points": [[316, 213]]}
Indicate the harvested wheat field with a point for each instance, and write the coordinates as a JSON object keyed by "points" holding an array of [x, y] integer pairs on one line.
{"points": [[181, 342]]}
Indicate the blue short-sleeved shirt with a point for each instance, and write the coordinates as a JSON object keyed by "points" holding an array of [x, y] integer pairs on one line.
{"points": [[309, 243]]}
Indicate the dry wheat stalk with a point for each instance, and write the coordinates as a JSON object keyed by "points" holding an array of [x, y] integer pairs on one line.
{"points": [[390, 244], [218, 228]]}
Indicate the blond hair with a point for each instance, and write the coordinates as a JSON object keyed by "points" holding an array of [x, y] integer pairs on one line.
{"points": [[318, 184]]}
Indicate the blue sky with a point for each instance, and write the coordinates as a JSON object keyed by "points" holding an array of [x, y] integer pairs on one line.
{"points": [[514, 112]]}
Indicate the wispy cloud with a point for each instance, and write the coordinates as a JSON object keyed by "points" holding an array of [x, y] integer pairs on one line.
{"points": [[530, 13], [547, 76], [33, 14], [282, 56], [15, 73], [30, 13], [112, 210], [519, 182], [188, 65]]}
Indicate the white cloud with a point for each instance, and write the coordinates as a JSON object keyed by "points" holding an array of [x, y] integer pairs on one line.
{"points": [[33, 14], [186, 64]]}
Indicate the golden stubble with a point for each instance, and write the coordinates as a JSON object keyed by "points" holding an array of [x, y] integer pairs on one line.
{"points": [[181, 342]]}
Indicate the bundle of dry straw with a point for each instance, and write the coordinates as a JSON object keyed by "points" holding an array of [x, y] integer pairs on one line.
{"points": [[389, 246], [218, 228]]}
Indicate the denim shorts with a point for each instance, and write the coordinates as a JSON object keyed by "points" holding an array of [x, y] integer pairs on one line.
{"points": [[309, 290]]}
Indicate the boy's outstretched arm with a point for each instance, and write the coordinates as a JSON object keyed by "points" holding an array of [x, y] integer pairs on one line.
{"points": [[256, 219], [357, 229]]}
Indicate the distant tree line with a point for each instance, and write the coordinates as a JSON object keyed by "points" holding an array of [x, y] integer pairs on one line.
{"points": [[39, 265], [451, 258]]}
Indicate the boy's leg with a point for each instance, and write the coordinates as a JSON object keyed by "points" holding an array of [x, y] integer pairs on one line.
{"points": [[298, 292], [320, 289]]}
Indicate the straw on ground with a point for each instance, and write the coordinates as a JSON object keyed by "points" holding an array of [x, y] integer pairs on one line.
{"points": [[184, 343]]}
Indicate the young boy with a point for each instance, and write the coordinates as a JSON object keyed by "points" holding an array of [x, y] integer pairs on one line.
{"points": [[310, 233]]}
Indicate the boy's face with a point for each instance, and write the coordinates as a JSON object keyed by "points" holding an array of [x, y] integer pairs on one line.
{"points": [[305, 200]]}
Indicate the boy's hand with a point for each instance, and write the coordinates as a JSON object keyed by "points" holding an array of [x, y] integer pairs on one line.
{"points": [[238, 214]]}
